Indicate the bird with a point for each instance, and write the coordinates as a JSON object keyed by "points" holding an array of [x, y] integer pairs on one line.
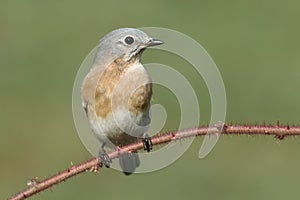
{"points": [[116, 95]]}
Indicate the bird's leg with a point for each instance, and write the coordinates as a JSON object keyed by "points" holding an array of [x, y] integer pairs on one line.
{"points": [[103, 157], [147, 143]]}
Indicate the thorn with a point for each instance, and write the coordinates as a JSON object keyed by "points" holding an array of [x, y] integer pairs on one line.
{"points": [[72, 166], [32, 182], [94, 169], [118, 149], [173, 135], [225, 126], [288, 127], [279, 137], [277, 124]]}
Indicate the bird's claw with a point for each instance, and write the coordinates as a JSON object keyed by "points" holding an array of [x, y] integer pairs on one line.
{"points": [[104, 159], [147, 143]]}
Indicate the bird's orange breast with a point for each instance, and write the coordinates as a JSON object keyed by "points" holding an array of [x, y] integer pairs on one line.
{"points": [[120, 86]]}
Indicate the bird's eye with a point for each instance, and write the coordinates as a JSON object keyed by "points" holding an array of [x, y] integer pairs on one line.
{"points": [[129, 40]]}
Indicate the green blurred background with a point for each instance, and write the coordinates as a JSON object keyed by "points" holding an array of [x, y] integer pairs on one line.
{"points": [[254, 43]]}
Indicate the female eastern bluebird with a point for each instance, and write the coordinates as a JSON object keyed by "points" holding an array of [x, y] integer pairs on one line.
{"points": [[116, 94]]}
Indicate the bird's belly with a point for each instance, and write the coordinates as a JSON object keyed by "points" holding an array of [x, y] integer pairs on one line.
{"points": [[120, 128]]}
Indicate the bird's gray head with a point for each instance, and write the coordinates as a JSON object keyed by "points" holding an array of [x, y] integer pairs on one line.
{"points": [[126, 43]]}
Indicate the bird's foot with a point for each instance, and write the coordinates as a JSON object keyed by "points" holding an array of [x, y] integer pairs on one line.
{"points": [[104, 159], [147, 143]]}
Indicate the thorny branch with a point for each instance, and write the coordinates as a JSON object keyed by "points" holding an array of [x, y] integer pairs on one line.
{"points": [[279, 132]]}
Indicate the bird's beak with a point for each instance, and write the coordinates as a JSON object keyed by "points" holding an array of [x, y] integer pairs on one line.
{"points": [[154, 42]]}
